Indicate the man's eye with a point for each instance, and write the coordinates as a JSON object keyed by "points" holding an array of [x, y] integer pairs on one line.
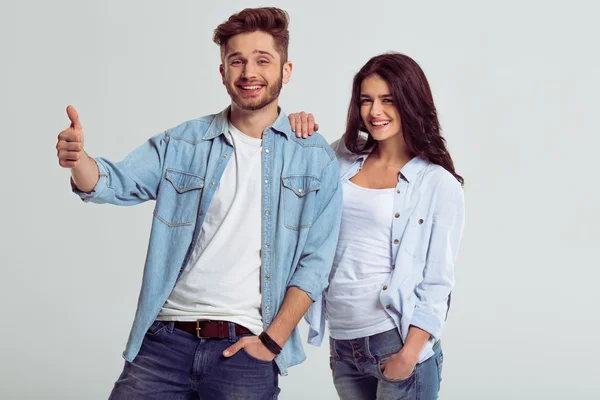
{"points": [[263, 62], [236, 62]]}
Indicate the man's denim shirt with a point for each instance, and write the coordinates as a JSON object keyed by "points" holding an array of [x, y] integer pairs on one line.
{"points": [[181, 169], [427, 225]]}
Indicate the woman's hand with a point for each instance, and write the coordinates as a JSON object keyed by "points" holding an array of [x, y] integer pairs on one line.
{"points": [[303, 124], [399, 366]]}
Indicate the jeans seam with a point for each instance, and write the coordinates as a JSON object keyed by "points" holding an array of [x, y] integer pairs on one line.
{"points": [[333, 350], [417, 382], [368, 352]]}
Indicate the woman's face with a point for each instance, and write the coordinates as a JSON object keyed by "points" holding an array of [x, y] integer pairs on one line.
{"points": [[377, 109]]}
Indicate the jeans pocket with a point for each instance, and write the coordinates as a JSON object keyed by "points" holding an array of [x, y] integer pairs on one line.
{"points": [[156, 328], [409, 380], [254, 359]]}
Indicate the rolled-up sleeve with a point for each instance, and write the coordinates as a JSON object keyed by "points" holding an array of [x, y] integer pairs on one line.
{"points": [[433, 292], [132, 180], [312, 273]]}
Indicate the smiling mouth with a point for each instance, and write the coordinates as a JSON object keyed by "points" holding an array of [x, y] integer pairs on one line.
{"points": [[380, 123], [250, 89]]}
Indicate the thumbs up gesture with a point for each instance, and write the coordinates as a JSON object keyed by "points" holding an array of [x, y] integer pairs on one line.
{"points": [[70, 142]]}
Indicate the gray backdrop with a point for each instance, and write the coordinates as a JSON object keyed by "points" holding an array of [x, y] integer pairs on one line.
{"points": [[516, 84]]}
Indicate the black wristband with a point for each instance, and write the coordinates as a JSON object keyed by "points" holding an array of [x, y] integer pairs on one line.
{"points": [[269, 343]]}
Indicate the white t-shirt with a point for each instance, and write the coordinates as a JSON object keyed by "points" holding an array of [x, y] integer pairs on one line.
{"points": [[222, 278], [362, 264]]}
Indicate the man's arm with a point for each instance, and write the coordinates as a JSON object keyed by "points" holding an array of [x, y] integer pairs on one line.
{"points": [[295, 304], [131, 181]]}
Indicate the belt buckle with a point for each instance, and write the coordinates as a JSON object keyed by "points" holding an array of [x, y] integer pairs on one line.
{"points": [[198, 329]]}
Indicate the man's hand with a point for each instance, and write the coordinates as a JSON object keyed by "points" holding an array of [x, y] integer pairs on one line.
{"points": [[84, 169], [303, 124], [70, 142], [253, 346], [399, 366]]}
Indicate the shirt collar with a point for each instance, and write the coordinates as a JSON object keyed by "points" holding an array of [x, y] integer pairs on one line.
{"points": [[411, 169], [220, 125]]}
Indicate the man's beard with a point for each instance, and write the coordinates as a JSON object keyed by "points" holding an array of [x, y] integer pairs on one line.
{"points": [[250, 104]]}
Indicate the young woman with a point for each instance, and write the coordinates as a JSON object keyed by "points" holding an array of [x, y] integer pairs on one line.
{"points": [[390, 285]]}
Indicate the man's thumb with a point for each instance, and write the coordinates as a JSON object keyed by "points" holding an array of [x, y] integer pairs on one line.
{"points": [[74, 117]]}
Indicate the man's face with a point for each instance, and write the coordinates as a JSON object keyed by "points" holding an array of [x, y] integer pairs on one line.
{"points": [[252, 70]]}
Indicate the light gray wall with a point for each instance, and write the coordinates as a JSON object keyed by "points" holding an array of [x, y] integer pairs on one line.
{"points": [[516, 84]]}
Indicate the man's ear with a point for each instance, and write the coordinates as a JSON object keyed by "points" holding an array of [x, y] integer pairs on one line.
{"points": [[287, 72], [222, 72]]}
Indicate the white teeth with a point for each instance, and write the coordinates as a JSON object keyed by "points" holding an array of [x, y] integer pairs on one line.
{"points": [[250, 87], [381, 123]]}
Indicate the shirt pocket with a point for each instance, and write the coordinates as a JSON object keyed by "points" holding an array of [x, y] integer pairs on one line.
{"points": [[299, 197], [416, 236], [178, 198]]}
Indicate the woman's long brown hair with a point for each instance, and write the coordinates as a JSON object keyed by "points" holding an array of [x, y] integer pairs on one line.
{"points": [[413, 99]]}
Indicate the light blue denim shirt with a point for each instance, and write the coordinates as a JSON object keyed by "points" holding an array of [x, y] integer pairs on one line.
{"points": [[428, 220], [181, 169]]}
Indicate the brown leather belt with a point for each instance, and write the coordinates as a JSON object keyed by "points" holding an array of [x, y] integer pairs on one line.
{"points": [[210, 329]]}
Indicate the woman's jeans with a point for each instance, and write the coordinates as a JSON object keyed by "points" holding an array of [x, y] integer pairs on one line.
{"points": [[356, 367]]}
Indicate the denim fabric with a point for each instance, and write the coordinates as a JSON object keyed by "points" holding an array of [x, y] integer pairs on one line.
{"points": [[356, 368], [176, 365], [181, 170]]}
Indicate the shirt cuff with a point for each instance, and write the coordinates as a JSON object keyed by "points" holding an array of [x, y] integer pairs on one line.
{"points": [[100, 185], [427, 322]]}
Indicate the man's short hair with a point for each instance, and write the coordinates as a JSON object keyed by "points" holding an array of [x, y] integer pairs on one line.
{"points": [[271, 20]]}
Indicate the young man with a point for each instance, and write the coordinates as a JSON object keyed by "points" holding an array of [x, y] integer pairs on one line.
{"points": [[243, 235]]}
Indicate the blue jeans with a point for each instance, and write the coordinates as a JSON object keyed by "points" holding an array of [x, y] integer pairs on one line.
{"points": [[356, 367], [173, 364]]}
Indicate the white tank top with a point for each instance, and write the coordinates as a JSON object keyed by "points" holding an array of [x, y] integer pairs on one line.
{"points": [[362, 264]]}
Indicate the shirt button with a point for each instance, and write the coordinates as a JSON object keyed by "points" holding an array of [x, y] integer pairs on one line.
{"points": [[397, 215], [225, 155], [212, 184], [267, 150], [420, 221], [266, 181], [388, 306], [384, 287], [268, 308], [398, 191], [267, 213], [267, 277], [395, 241], [394, 266], [201, 212], [300, 190], [267, 245]]}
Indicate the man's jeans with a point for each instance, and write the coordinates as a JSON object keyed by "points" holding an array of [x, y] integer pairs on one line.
{"points": [[356, 367], [173, 364]]}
